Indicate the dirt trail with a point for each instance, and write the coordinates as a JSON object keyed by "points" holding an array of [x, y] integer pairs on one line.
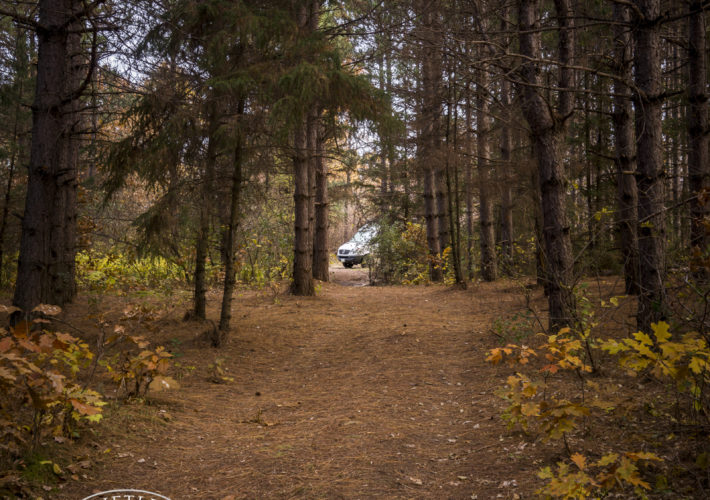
{"points": [[360, 392]]}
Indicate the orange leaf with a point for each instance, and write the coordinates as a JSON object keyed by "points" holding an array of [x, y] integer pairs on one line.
{"points": [[579, 460], [83, 408]]}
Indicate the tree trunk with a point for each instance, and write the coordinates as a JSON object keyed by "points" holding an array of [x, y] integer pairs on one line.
{"points": [[506, 147], [627, 195], [432, 225], [647, 73], [698, 167], [320, 241], [51, 121], [203, 230], [225, 316], [469, 188], [63, 234], [547, 130], [303, 242], [489, 270], [430, 145]]}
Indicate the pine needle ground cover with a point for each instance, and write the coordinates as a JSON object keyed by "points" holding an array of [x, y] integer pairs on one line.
{"points": [[377, 392]]}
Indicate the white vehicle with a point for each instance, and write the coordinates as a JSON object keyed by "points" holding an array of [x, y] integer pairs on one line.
{"points": [[354, 251]]}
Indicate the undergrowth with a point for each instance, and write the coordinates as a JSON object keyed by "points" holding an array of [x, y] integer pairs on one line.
{"points": [[541, 402]]}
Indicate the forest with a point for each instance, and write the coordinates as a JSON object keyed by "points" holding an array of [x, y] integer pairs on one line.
{"points": [[530, 318]]}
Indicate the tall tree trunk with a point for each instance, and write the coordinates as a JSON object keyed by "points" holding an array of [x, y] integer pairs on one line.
{"points": [[432, 225], [320, 241], [442, 206], [626, 194], [303, 242], [469, 187], [64, 216], [547, 129], [506, 148], [452, 193], [698, 166], [647, 73], [430, 150], [203, 230], [489, 269], [304, 140], [225, 316], [51, 120]]}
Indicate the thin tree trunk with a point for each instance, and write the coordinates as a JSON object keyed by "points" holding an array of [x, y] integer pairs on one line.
{"points": [[452, 219], [506, 148], [698, 166], [203, 230], [489, 269], [647, 73], [303, 242], [626, 195], [320, 241], [231, 233], [430, 150], [469, 188], [432, 232]]}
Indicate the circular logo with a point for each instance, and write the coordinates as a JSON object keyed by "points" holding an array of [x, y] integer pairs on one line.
{"points": [[126, 495]]}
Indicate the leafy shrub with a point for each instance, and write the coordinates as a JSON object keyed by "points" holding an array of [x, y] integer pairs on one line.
{"points": [[684, 362], [118, 271], [39, 387], [400, 254], [138, 368]]}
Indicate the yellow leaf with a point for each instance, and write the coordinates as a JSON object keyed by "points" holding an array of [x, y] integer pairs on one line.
{"points": [[643, 338], [530, 409], [698, 365], [607, 459], [579, 460], [661, 331]]}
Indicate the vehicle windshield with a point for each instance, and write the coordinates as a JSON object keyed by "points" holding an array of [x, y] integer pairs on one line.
{"points": [[364, 235]]}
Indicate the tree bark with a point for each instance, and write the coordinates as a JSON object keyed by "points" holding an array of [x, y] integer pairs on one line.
{"points": [[320, 241], [430, 140], [547, 129], [231, 233], [647, 72], [303, 242], [698, 166], [627, 194], [489, 268], [469, 188], [40, 245], [506, 147]]}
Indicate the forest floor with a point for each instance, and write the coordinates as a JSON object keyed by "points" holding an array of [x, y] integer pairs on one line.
{"points": [[359, 392]]}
